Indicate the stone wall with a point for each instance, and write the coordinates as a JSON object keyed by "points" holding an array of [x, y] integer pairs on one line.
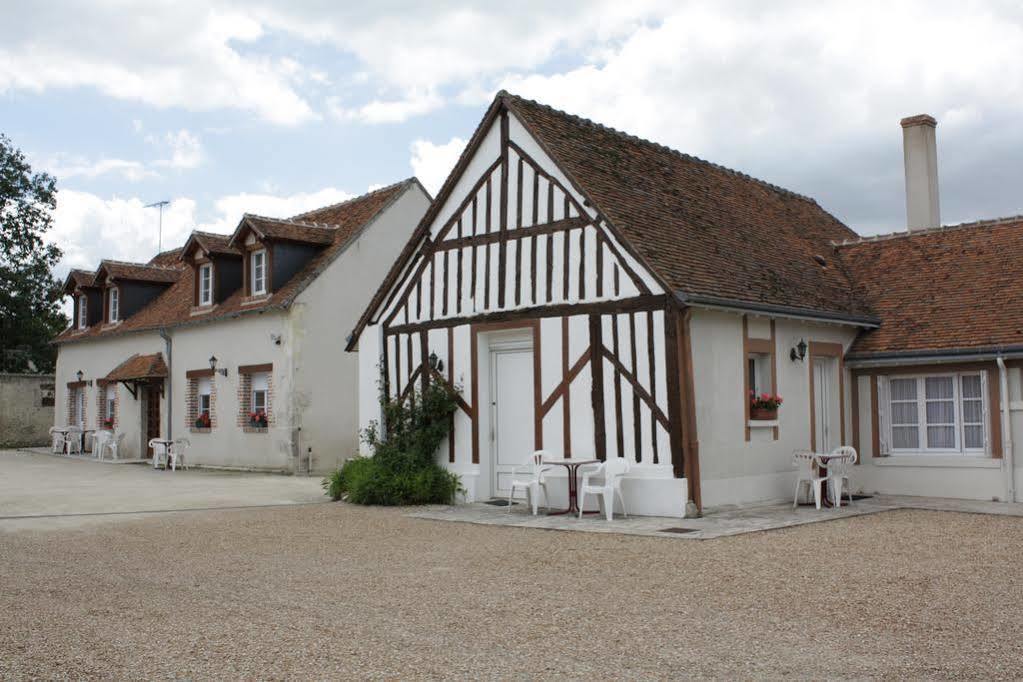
{"points": [[26, 409]]}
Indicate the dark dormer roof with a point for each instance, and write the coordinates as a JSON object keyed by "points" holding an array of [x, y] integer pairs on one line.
{"points": [[287, 230], [137, 272], [210, 243], [77, 279]]}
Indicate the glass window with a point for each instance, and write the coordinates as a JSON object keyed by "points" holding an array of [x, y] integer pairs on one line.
{"points": [[83, 312], [258, 268], [937, 413], [758, 368], [260, 388], [204, 393], [205, 284], [111, 400], [114, 304]]}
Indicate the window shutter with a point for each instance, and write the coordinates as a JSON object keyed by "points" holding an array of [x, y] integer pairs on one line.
{"points": [[884, 428]]}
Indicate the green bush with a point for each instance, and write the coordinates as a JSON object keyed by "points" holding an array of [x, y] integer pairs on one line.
{"points": [[402, 469]]}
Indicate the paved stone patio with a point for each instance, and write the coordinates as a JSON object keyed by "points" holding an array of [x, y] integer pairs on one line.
{"points": [[715, 523]]}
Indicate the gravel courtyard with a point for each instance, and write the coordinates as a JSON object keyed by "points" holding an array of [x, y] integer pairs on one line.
{"points": [[329, 590]]}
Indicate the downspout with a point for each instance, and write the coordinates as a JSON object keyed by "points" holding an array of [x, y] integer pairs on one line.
{"points": [[1003, 381], [170, 383]]}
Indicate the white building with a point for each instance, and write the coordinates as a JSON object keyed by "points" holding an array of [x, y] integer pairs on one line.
{"points": [[598, 295], [234, 325]]}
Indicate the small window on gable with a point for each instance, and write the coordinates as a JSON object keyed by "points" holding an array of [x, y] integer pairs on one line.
{"points": [[257, 268], [206, 284], [114, 305], [83, 312]]}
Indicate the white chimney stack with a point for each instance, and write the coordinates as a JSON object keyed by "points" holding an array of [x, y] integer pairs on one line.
{"points": [[920, 149]]}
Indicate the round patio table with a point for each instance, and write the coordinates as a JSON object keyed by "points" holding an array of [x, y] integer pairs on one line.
{"points": [[573, 482], [166, 452]]}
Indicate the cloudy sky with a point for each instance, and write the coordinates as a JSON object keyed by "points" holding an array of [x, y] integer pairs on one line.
{"points": [[278, 107]]}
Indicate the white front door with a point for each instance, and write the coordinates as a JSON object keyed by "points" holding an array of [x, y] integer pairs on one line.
{"points": [[822, 405], [511, 407]]}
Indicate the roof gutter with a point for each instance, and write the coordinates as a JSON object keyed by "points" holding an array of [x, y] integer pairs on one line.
{"points": [[935, 357], [732, 305]]}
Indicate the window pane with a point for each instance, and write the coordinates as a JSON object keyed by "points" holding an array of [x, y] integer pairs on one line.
{"points": [[904, 413], [941, 437], [943, 412], [905, 437], [974, 436], [939, 388], [903, 389], [971, 386], [973, 411]]}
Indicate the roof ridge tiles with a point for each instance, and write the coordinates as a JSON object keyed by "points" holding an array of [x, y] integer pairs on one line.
{"points": [[902, 234], [136, 264], [290, 221], [635, 138], [386, 188]]}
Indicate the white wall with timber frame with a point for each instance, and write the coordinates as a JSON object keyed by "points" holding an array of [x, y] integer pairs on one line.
{"points": [[515, 245]]}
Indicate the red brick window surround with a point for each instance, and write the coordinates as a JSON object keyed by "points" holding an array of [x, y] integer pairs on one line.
{"points": [[76, 408], [255, 397], [201, 400]]}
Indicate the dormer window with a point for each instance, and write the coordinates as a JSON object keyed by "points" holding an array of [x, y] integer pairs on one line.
{"points": [[83, 312], [258, 270], [206, 284], [113, 305]]}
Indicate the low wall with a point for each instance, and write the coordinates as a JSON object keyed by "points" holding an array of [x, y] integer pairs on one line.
{"points": [[26, 409]]}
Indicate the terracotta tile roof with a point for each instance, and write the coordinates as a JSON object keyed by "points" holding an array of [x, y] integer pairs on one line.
{"points": [[950, 288], [704, 229], [210, 243], [139, 272], [174, 306], [287, 229], [78, 278], [139, 367], [167, 259]]}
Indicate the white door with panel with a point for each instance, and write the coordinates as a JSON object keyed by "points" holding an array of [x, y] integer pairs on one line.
{"points": [[511, 404]]}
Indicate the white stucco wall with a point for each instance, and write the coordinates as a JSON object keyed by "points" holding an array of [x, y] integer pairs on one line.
{"points": [[733, 470], [96, 358], [325, 402]]}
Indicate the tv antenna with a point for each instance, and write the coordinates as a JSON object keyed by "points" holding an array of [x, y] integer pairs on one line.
{"points": [[160, 205]]}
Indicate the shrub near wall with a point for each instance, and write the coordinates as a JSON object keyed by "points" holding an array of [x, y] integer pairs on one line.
{"points": [[402, 469]]}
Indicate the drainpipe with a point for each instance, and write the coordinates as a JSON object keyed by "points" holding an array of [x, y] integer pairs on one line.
{"points": [[169, 388], [1003, 381]]}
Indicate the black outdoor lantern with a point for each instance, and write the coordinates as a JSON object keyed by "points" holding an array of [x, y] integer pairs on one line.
{"points": [[81, 375], [799, 352], [436, 363], [213, 366]]}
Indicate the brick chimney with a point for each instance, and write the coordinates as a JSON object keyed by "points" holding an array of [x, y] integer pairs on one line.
{"points": [[920, 150]]}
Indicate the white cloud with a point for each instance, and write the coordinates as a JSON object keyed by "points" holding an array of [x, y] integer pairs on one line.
{"points": [[65, 167], [432, 163], [185, 149], [386, 111]]}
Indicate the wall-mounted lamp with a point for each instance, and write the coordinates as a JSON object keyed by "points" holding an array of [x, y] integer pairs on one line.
{"points": [[213, 366], [80, 375], [436, 363], [799, 352]]}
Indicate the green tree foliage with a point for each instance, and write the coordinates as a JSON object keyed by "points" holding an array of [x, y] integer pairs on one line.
{"points": [[30, 314], [402, 469]]}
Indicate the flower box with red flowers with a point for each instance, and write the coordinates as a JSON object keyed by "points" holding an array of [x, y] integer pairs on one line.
{"points": [[257, 419], [108, 423], [764, 407], [203, 421]]}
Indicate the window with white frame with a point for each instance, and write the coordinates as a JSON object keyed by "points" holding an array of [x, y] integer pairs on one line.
{"points": [[204, 393], [258, 269], [260, 392], [114, 304], [937, 413], [758, 373], [206, 284], [83, 312]]}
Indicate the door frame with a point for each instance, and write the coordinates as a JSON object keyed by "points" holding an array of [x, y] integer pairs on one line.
{"points": [[834, 352], [498, 347], [151, 390]]}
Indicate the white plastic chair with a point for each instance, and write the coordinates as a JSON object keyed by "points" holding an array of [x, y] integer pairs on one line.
{"points": [[177, 453], [840, 472], [56, 441], [159, 452], [533, 483], [99, 441], [73, 441], [613, 470], [808, 474], [113, 445]]}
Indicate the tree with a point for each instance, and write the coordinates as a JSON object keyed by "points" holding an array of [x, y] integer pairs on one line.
{"points": [[30, 314]]}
